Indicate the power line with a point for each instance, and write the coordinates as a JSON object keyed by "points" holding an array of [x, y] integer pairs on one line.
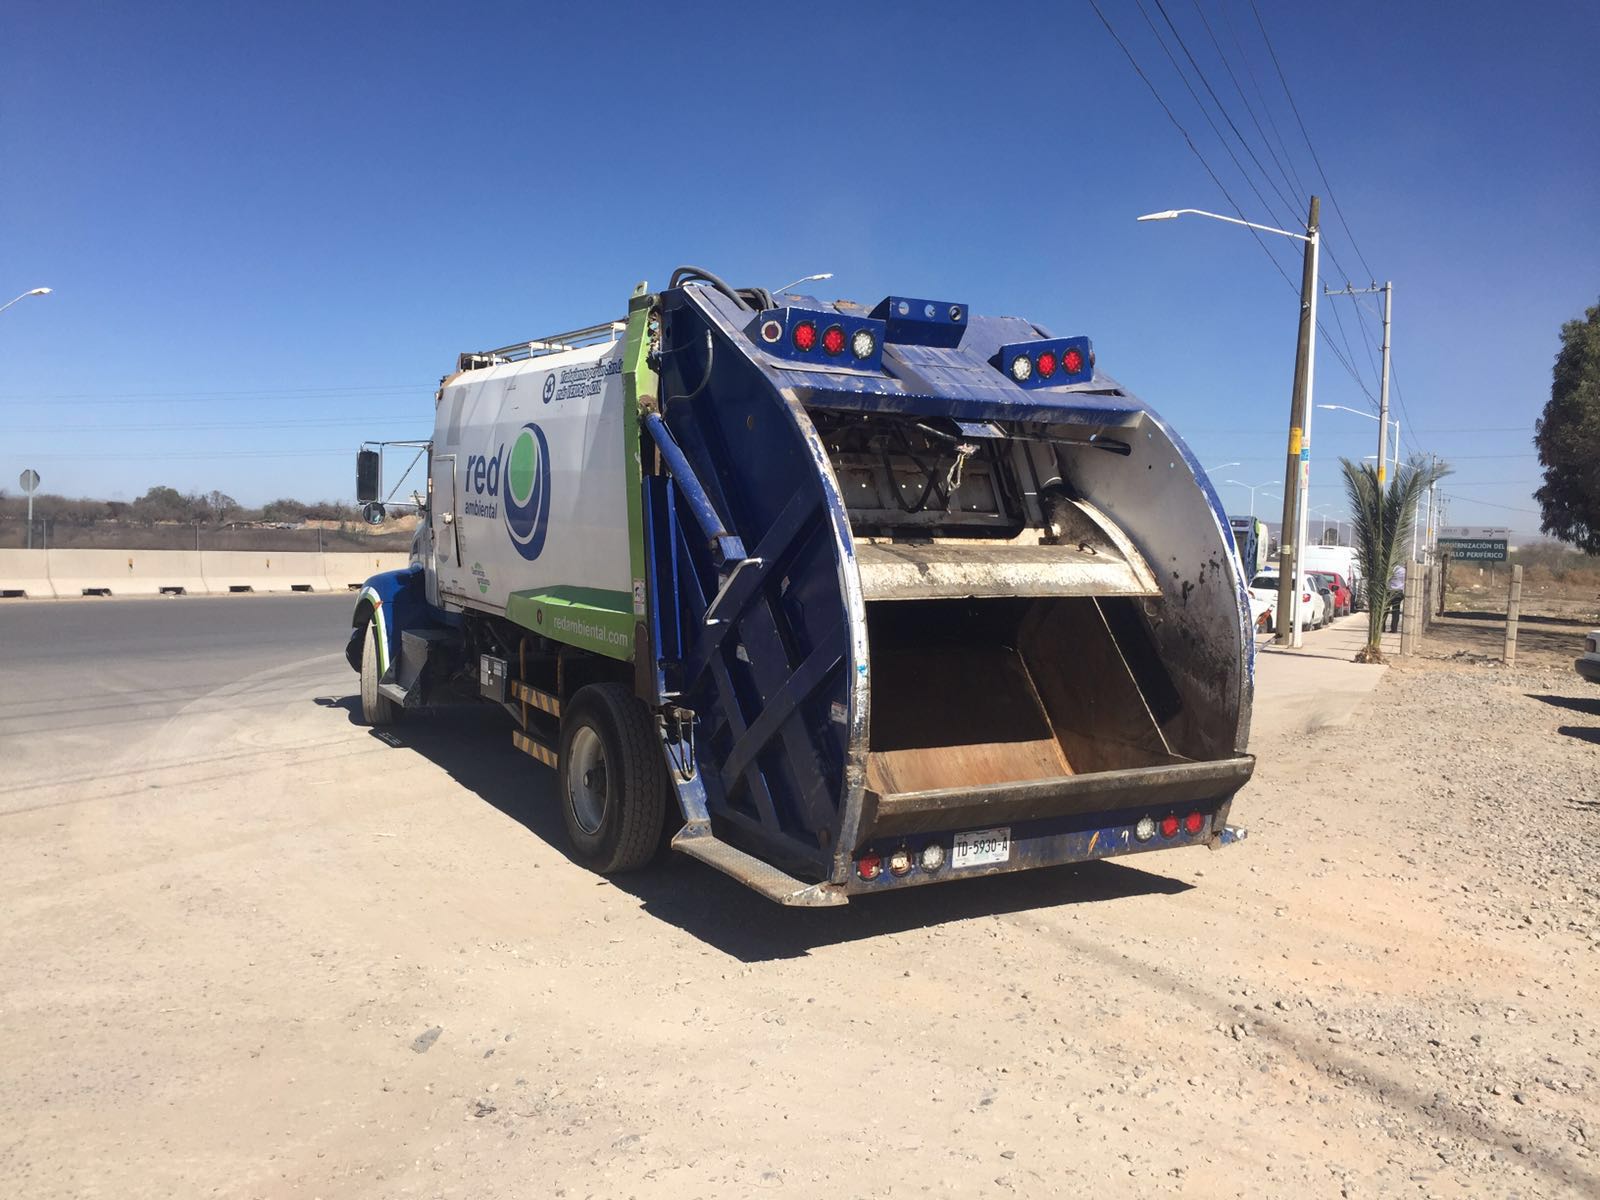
{"points": [[1486, 504], [201, 455], [213, 426], [1254, 120], [1221, 108], [1296, 110], [391, 388], [1193, 95], [1300, 189], [1221, 187]]}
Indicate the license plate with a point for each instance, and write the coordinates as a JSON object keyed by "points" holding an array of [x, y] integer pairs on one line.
{"points": [[981, 847]]}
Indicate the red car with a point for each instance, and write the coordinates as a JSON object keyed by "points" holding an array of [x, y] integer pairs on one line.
{"points": [[1342, 597]]}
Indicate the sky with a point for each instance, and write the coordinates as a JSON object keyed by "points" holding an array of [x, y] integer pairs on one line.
{"points": [[270, 229]]}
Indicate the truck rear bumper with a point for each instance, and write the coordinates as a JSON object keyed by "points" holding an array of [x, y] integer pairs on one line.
{"points": [[1173, 786], [1025, 845]]}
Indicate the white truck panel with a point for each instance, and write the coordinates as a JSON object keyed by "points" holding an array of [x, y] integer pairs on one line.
{"points": [[527, 481]]}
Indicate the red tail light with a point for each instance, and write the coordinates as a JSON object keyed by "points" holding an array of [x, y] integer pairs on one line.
{"points": [[1072, 360], [833, 341], [1047, 364], [869, 866], [1194, 822], [1169, 826], [805, 336]]}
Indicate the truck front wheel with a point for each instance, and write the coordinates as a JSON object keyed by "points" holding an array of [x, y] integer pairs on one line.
{"points": [[376, 708], [612, 781]]}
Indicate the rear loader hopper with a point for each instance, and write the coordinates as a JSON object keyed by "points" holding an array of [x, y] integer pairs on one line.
{"points": [[902, 594]]}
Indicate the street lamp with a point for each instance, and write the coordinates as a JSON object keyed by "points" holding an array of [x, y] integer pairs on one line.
{"points": [[1220, 467], [1338, 524], [805, 279], [24, 296], [1252, 488], [1371, 417], [1296, 520]]}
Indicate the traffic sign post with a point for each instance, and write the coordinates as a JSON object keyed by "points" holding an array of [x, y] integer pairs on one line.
{"points": [[29, 479]]}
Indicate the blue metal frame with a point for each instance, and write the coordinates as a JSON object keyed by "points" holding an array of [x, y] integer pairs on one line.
{"points": [[786, 319], [1060, 377], [758, 623], [912, 322]]}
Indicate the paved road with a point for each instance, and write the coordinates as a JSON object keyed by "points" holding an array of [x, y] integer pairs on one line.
{"points": [[84, 683]]}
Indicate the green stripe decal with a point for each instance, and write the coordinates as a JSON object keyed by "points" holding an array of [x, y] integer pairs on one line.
{"points": [[589, 618], [370, 594]]}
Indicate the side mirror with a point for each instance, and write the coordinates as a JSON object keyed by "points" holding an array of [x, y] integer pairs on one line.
{"points": [[367, 470], [373, 513]]}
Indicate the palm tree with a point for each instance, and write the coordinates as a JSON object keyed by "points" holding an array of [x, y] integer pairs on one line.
{"points": [[1380, 527]]}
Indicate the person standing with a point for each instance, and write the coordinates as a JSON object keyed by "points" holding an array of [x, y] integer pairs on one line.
{"points": [[1397, 596]]}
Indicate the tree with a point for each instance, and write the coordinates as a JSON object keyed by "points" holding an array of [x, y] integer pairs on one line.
{"points": [[1568, 438], [1380, 527], [221, 506], [161, 504]]}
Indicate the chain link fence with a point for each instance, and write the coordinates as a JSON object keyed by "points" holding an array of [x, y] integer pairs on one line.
{"points": [[329, 537]]}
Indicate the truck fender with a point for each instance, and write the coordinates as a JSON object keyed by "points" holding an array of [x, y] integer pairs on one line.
{"points": [[392, 599]]}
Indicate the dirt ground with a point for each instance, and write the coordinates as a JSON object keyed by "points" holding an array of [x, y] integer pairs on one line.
{"points": [[270, 954]]}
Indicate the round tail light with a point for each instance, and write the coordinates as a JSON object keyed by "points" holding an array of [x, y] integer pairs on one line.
{"points": [[900, 862], [1194, 822], [1145, 829], [805, 336], [863, 344], [1022, 368], [833, 341], [1047, 364], [932, 856], [1072, 360], [869, 866], [1169, 826]]}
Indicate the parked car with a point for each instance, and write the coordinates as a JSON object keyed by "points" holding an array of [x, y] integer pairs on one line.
{"points": [[1589, 665], [1334, 583], [1341, 560], [1313, 608], [1260, 614]]}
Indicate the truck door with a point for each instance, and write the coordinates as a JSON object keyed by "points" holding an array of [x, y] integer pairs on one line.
{"points": [[443, 517]]}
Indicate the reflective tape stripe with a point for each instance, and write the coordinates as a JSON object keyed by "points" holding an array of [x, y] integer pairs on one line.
{"points": [[543, 701], [537, 749]]}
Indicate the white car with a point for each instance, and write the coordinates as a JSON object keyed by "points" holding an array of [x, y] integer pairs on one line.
{"points": [[1589, 665], [1313, 609]]}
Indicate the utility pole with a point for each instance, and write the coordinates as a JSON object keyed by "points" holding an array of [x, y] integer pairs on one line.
{"points": [[1297, 467], [1383, 387], [1427, 540]]}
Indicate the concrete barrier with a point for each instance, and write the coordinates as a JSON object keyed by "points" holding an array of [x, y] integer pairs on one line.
{"points": [[126, 572], [349, 570], [25, 574], [263, 571], [41, 574]]}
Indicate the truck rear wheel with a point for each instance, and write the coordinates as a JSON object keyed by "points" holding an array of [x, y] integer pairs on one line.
{"points": [[612, 781], [376, 708]]}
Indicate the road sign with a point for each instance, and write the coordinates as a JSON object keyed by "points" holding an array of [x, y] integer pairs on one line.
{"points": [[1493, 533], [29, 480], [1474, 549]]}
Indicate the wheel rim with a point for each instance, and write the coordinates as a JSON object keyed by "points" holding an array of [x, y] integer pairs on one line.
{"points": [[586, 779]]}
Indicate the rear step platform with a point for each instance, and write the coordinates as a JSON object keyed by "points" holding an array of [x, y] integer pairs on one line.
{"points": [[765, 878]]}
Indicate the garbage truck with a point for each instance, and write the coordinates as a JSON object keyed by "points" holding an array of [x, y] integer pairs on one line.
{"points": [[836, 599]]}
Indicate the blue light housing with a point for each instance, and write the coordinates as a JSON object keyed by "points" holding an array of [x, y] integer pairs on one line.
{"points": [[1047, 362], [819, 337], [922, 322]]}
